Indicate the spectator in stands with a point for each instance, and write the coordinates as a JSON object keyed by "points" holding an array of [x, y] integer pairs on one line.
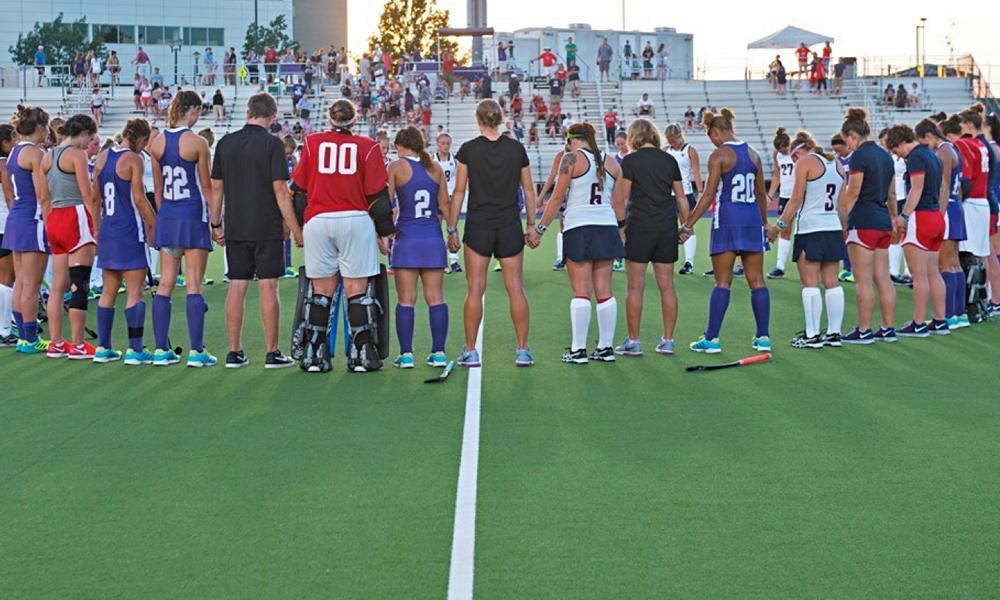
{"points": [[782, 78], [689, 117], [555, 90], [533, 133], [218, 106], [838, 77], [902, 98], [114, 67], [889, 96], [647, 61], [627, 50], [570, 52], [270, 63], [916, 96], [548, 62], [229, 67], [552, 125], [661, 61], [486, 86], [644, 107], [157, 77], [772, 73], [40, 64], [513, 85], [141, 62], [97, 105], [253, 66], [610, 125], [517, 107], [573, 73], [604, 54], [802, 53], [210, 64], [819, 73], [501, 58], [827, 53], [79, 69]]}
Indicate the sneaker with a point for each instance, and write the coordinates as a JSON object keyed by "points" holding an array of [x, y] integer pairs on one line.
{"points": [[455, 267], [776, 273], [92, 295], [405, 361], [707, 346], [497, 268], [469, 358], [897, 280], [236, 360], [575, 357], [603, 354], [438, 360], [277, 360], [197, 360], [913, 329], [57, 350], [958, 322], [105, 355], [559, 265], [36, 347], [845, 276], [687, 269], [801, 341], [289, 273], [832, 340], [181, 282], [665, 347], [207, 281], [761, 344], [8, 341], [164, 358], [993, 310], [886, 334], [939, 327], [709, 273], [82, 351], [738, 271], [135, 359], [858, 337], [523, 357], [618, 266], [629, 347]]}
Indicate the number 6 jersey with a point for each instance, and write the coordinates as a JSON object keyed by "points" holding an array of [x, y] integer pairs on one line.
{"points": [[586, 202], [339, 171]]}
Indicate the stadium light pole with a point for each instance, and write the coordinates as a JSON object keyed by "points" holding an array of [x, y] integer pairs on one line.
{"points": [[175, 47]]}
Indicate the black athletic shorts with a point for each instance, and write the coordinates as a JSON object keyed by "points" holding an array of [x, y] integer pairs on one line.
{"points": [[646, 246], [820, 246], [4, 253], [782, 202], [263, 260], [498, 242], [592, 242]]}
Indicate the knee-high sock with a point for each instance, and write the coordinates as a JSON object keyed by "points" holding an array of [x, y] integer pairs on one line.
{"points": [[196, 309], [718, 302], [6, 309], [135, 318], [895, 259], [784, 249], [760, 301], [579, 318], [607, 319], [153, 259], [961, 293], [847, 264], [949, 294], [404, 328], [812, 306], [29, 331], [288, 253], [161, 321], [690, 249], [439, 326], [559, 246], [105, 321], [834, 309]]}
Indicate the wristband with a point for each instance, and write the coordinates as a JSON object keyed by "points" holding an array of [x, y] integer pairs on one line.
{"points": [[452, 231], [541, 229], [904, 216], [781, 224], [216, 225], [621, 223]]}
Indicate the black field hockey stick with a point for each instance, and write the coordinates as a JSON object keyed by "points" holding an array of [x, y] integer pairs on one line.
{"points": [[444, 374], [750, 360]]}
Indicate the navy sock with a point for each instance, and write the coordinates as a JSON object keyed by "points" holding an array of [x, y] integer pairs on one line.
{"points": [[161, 321], [105, 321], [960, 293], [949, 294], [288, 253], [760, 301], [717, 305], [404, 328], [847, 264], [135, 317], [196, 309], [19, 321], [439, 326], [29, 330]]}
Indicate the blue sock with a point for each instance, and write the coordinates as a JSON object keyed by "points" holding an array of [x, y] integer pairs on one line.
{"points": [[404, 328], [19, 321], [196, 309], [760, 300], [439, 326], [161, 321], [29, 330], [960, 293], [949, 294], [717, 305], [847, 265], [135, 317], [288, 253], [105, 320]]}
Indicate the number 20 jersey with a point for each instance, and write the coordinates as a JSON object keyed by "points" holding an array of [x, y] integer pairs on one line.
{"points": [[339, 171], [736, 200]]}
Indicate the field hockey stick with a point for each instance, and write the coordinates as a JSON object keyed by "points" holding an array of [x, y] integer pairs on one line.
{"points": [[750, 360], [444, 374]]}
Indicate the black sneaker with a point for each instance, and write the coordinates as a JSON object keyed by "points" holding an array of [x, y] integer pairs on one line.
{"points": [[8, 341], [886, 334], [603, 354], [277, 360], [687, 269], [801, 341], [776, 273], [912, 329], [832, 340], [236, 360], [939, 327], [856, 336], [898, 279], [576, 357]]}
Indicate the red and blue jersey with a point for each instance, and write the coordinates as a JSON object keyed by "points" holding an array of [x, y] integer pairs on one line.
{"points": [[975, 165], [871, 211], [923, 161], [736, 198]]}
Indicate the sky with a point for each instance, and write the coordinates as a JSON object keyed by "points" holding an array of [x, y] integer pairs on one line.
{"points": [[860, 27]]}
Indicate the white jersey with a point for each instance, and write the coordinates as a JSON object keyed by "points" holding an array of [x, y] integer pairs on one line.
{"points": [[449, 167], [586, 203], [819, 207], [786, 172], [899, 166], [147, 171], [683, 158]]}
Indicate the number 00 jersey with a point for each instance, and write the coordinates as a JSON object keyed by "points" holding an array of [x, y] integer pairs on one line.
{"points": [[339, 171], [586, 202], [819, 206]]}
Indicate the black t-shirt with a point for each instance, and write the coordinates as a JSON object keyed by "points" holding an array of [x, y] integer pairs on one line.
{"points": [[248, 162], [651, 204], [494, 178]]}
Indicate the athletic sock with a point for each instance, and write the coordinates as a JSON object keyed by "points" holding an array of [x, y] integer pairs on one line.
{"points": [[404, 328], [96, 277], [760, 301], [196, 309], [288, 253], [559, 246], [847, 265], [949, 294], [153, 259], [19, 323], [718, 302], [690, 249], [29, 331], [439, 326], [135, 318], [961, 293], [784, 249], [895, 259], [6, 309], [105, 321], [607, 318], [161, 321], [812, 306], [579, 318], [834, 310], [452, 258]]}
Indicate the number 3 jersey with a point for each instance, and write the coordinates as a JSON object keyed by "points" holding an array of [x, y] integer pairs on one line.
{"points": [[819, 205], [736, 198], [182, 221], [339, 171], [586, 202]]}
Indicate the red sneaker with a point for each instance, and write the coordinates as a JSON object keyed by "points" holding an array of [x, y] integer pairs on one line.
{"points": [[57, 350], [82, 351]]}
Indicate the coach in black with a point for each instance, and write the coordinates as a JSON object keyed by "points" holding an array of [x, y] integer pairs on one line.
{"points": [[250, 174]]}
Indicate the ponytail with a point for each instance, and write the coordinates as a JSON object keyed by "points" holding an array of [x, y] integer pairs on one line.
{"points": [[586, 132], [412, 139]]}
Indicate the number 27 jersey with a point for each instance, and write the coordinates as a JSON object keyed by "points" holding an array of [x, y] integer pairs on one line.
{"points": [[339, 171]]}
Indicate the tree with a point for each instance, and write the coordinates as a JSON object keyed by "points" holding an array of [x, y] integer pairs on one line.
{"points": [[62, 40], [274, 35], [408, 23]]}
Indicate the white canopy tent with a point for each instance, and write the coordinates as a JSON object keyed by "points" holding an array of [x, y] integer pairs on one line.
{"points": [[789, 37]]}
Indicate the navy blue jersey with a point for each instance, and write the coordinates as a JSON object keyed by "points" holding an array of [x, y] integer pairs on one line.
{"points": [[119, 218], [182, 197], [418, 201], [922, 160], [871, 211], [736, 198]]}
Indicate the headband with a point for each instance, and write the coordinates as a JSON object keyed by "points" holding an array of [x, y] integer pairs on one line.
{"points": [[798, 146]]}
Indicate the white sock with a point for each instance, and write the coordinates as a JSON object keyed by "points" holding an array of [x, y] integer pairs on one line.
{"points": [[812, 306], [559, 244], [906, 267], [96, 277], [834, 309], [607, 318], [895, 259], [784, 249], [6, 309], [154, 262], [579, 318], [690, 249], [452, 258], [47, 278]]}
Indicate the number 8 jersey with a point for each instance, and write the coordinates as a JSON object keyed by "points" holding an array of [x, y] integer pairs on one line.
{"points": [[121, 239], [182, 221], [736, 199]]}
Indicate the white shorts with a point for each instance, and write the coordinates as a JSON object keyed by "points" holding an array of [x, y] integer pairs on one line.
{"points": [[977, 227], [340, 242]]}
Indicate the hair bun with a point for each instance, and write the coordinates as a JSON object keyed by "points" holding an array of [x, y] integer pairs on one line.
{"points": [[728, 114], [857, 114]]}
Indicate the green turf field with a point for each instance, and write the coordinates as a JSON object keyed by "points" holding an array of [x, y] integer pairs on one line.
{"points": [[853, 472]]}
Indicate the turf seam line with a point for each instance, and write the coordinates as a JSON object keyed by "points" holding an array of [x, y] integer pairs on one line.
{"points": [[463, 542]]}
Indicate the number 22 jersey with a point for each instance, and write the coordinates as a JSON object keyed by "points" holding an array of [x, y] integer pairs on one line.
{"points": [[183, 218], [339, 171]]}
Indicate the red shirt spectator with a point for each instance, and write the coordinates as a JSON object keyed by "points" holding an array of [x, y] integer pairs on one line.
{"points": [[270, 56], [827, 51], [547, 58], [561, 74], [802, 53], [610, 120], [448, 62]]}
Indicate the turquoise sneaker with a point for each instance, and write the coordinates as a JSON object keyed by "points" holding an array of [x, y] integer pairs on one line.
{"points": [[105, 355], [197, 360], [761, 344], [524, 358], [713, 346], [37, 347], [290, 273], [181, 282], [665, 346], [134, 359], [958, 322], [405, 361], [437, 360], [165, 358], [469, 358]]}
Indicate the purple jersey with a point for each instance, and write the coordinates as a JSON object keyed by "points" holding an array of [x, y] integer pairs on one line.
{"points": [[418, 244], [737, 196], [24, 231], [183, 218], [121, 241]]}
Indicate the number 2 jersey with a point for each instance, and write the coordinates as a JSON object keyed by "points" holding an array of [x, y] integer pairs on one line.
{"points": [[819, 205], [736, 198], [417, 203], [339, 171]]}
